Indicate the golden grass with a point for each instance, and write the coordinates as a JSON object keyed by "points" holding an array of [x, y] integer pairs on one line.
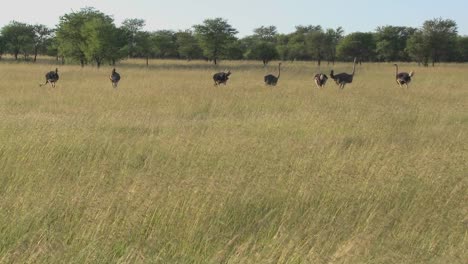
{"points": [[170, 169]]}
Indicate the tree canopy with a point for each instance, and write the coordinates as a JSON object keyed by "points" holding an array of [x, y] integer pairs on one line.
{"points": [[89, 36], [18, 38], [214, 36]]}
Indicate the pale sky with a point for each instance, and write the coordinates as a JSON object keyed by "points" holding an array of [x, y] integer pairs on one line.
{"points": [[245, 15]]}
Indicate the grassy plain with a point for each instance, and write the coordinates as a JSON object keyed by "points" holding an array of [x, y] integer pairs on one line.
{"points": [[170, 169]]}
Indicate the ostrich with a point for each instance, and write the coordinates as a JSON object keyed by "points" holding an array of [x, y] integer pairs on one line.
{"points": [[320, 80], [51, 77], [402, 78], [221, 77], [343, 78], [272, 80], [114, 78]]}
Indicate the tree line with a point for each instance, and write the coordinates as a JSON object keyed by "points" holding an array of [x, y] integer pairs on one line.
{"points": [[91, 37]]}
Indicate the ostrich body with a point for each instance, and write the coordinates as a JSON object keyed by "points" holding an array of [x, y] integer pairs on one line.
{"points": [[402, 78], [320, 80], [114, 78], [221, 77], [51, 77], [272, 80], [343, 78]]}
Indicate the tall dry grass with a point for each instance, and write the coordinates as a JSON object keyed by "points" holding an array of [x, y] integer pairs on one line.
{"points": [[170, 169]]}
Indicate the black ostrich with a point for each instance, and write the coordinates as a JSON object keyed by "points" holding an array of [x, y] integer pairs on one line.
{"points": [[51, 77], [114, 78], [343, 78], [221, 77], [402, 78], [320, 80], [272, 80]]}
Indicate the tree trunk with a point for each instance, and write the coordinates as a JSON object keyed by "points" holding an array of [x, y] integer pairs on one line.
{"points": [[215, 61], [98, 63], [147, 61], [82, 63], [16, 55], [35, 54]]}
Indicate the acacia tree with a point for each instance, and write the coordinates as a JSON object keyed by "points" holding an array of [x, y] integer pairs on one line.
{"points": [[391, 42], [18, 38], [418, 48], [132, 27], [51, 49], [214, 35], [463, 48], [357, 45], [282, 46], [332, 38], [187, 45], [262, 45], [266, 33], [165, 42], [42, 35], [70, 38], [102, 40], [441, 37], [90, 35], [145, 47], [2, 46], [264, 51], [235, 50], [300, 43], [117, 48], [316, 42], [70, 41], [297, 46]]}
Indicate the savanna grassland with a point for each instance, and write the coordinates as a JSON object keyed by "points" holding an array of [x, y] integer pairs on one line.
{"points": [[171, 169]]}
